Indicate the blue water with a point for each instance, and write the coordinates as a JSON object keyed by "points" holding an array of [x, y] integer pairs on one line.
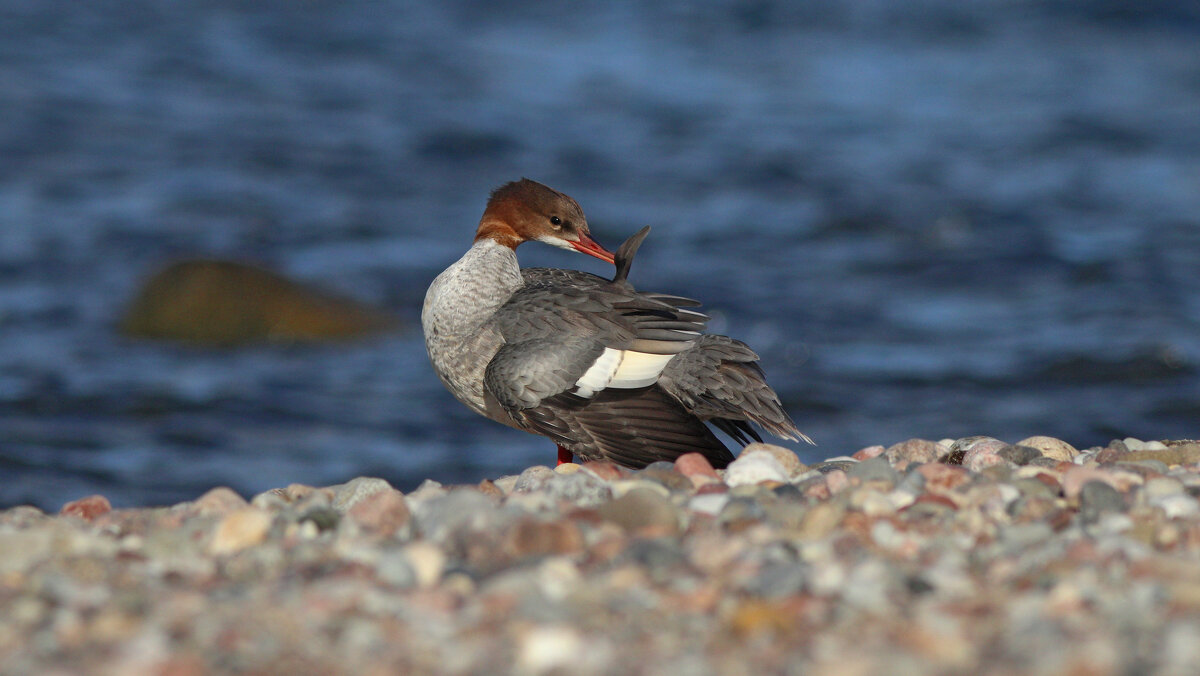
{"points": [[932, 218]]}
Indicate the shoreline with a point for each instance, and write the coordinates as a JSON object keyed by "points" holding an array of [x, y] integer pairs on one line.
{"points": [[925, 557]]}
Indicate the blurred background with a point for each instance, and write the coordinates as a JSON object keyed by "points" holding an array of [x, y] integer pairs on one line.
{"points": [[931, 218]]}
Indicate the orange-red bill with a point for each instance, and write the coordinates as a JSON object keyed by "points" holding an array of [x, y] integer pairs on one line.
{"points": [[591, 247]]}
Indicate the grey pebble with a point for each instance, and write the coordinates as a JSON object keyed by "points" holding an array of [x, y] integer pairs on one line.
{"points": [[875, 469], [831, 465], [1096, 498], [533, 478], [356, 490], [1019, 455], [580, 488]]}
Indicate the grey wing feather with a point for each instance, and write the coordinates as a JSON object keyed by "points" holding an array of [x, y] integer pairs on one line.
{"points": [[614, 315], [521, 375], [719, 380], [629, 427]]}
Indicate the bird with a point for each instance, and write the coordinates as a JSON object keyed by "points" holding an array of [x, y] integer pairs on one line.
{"points": [[605, 371]]}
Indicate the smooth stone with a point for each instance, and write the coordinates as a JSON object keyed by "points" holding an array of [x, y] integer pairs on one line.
{"points": [[427, 562], [822, 519], [1019, 455], [1074, 479], [1160, 487], [567, 468], [605, 471], [943, 478], [462, 512], [321, 519], [697, 469], [665, 474], [787, 458], [753, 469], [981, 453], [1097, 497], [1184, 454], [868, 453], [779, 580], [382, 512], [506, 483], [827, 466], [620, 488], [1143, 467], [871, 502], [579, 488], [913, 481], [836, 481], [350, 493], [239, 530], [542, 650], [533, 478], [534, 538], [219, 501], [739, 511], [1050, 447], [642, 509], [786, 514], [877, 469], [87, 508], [1179, 505], [913, 452], [709, 503], [1116, 450], [1034, 488]]}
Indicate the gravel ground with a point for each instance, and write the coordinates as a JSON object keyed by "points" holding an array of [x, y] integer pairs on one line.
{"points": [[968, 556]]}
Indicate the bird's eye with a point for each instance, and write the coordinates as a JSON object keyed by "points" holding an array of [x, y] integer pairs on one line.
{"points": [[556, 222]]}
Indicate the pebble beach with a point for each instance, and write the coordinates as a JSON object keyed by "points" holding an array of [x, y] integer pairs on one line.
{"points": [[967, 556]]}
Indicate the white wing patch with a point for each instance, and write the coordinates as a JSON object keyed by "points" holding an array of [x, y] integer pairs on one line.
{"points": [[622, 369], [600, 374]]}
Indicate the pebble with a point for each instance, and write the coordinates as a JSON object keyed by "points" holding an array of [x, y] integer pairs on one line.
{"points": [[544, 649], [383, 512], [893, 561], [787, 458], [980, 453], [243, 528], [643, 509], [352, 492], [697, 469], [580, 488], [1055, 449], [219, 502], [913, 452], [1097, 497], [753, 469], [877, 470], [87, 508], [533, 478]]}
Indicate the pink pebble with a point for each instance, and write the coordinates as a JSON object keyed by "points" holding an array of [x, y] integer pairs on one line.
{"points": [[87, 508], [868, 453], [837, 481], [694, 464]]}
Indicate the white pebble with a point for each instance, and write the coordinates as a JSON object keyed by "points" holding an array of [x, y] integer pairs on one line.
{"points": [[709, 503], [754, 469], [1177, 505], [427, 562], [547, 648]]}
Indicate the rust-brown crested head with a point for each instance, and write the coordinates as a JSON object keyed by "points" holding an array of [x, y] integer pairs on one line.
{"points": [[526, 210]]}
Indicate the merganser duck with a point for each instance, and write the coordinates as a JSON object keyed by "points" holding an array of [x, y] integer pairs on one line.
{"points": [[605, 371]]}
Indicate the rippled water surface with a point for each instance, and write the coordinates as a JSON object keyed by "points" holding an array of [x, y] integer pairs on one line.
{"points": [[931, 218]]}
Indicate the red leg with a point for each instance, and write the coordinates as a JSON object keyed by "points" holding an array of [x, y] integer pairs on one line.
{"points": [[565, 456]]}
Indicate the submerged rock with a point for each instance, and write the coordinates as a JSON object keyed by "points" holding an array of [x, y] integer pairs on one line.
{"points": [[221, 303]]}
